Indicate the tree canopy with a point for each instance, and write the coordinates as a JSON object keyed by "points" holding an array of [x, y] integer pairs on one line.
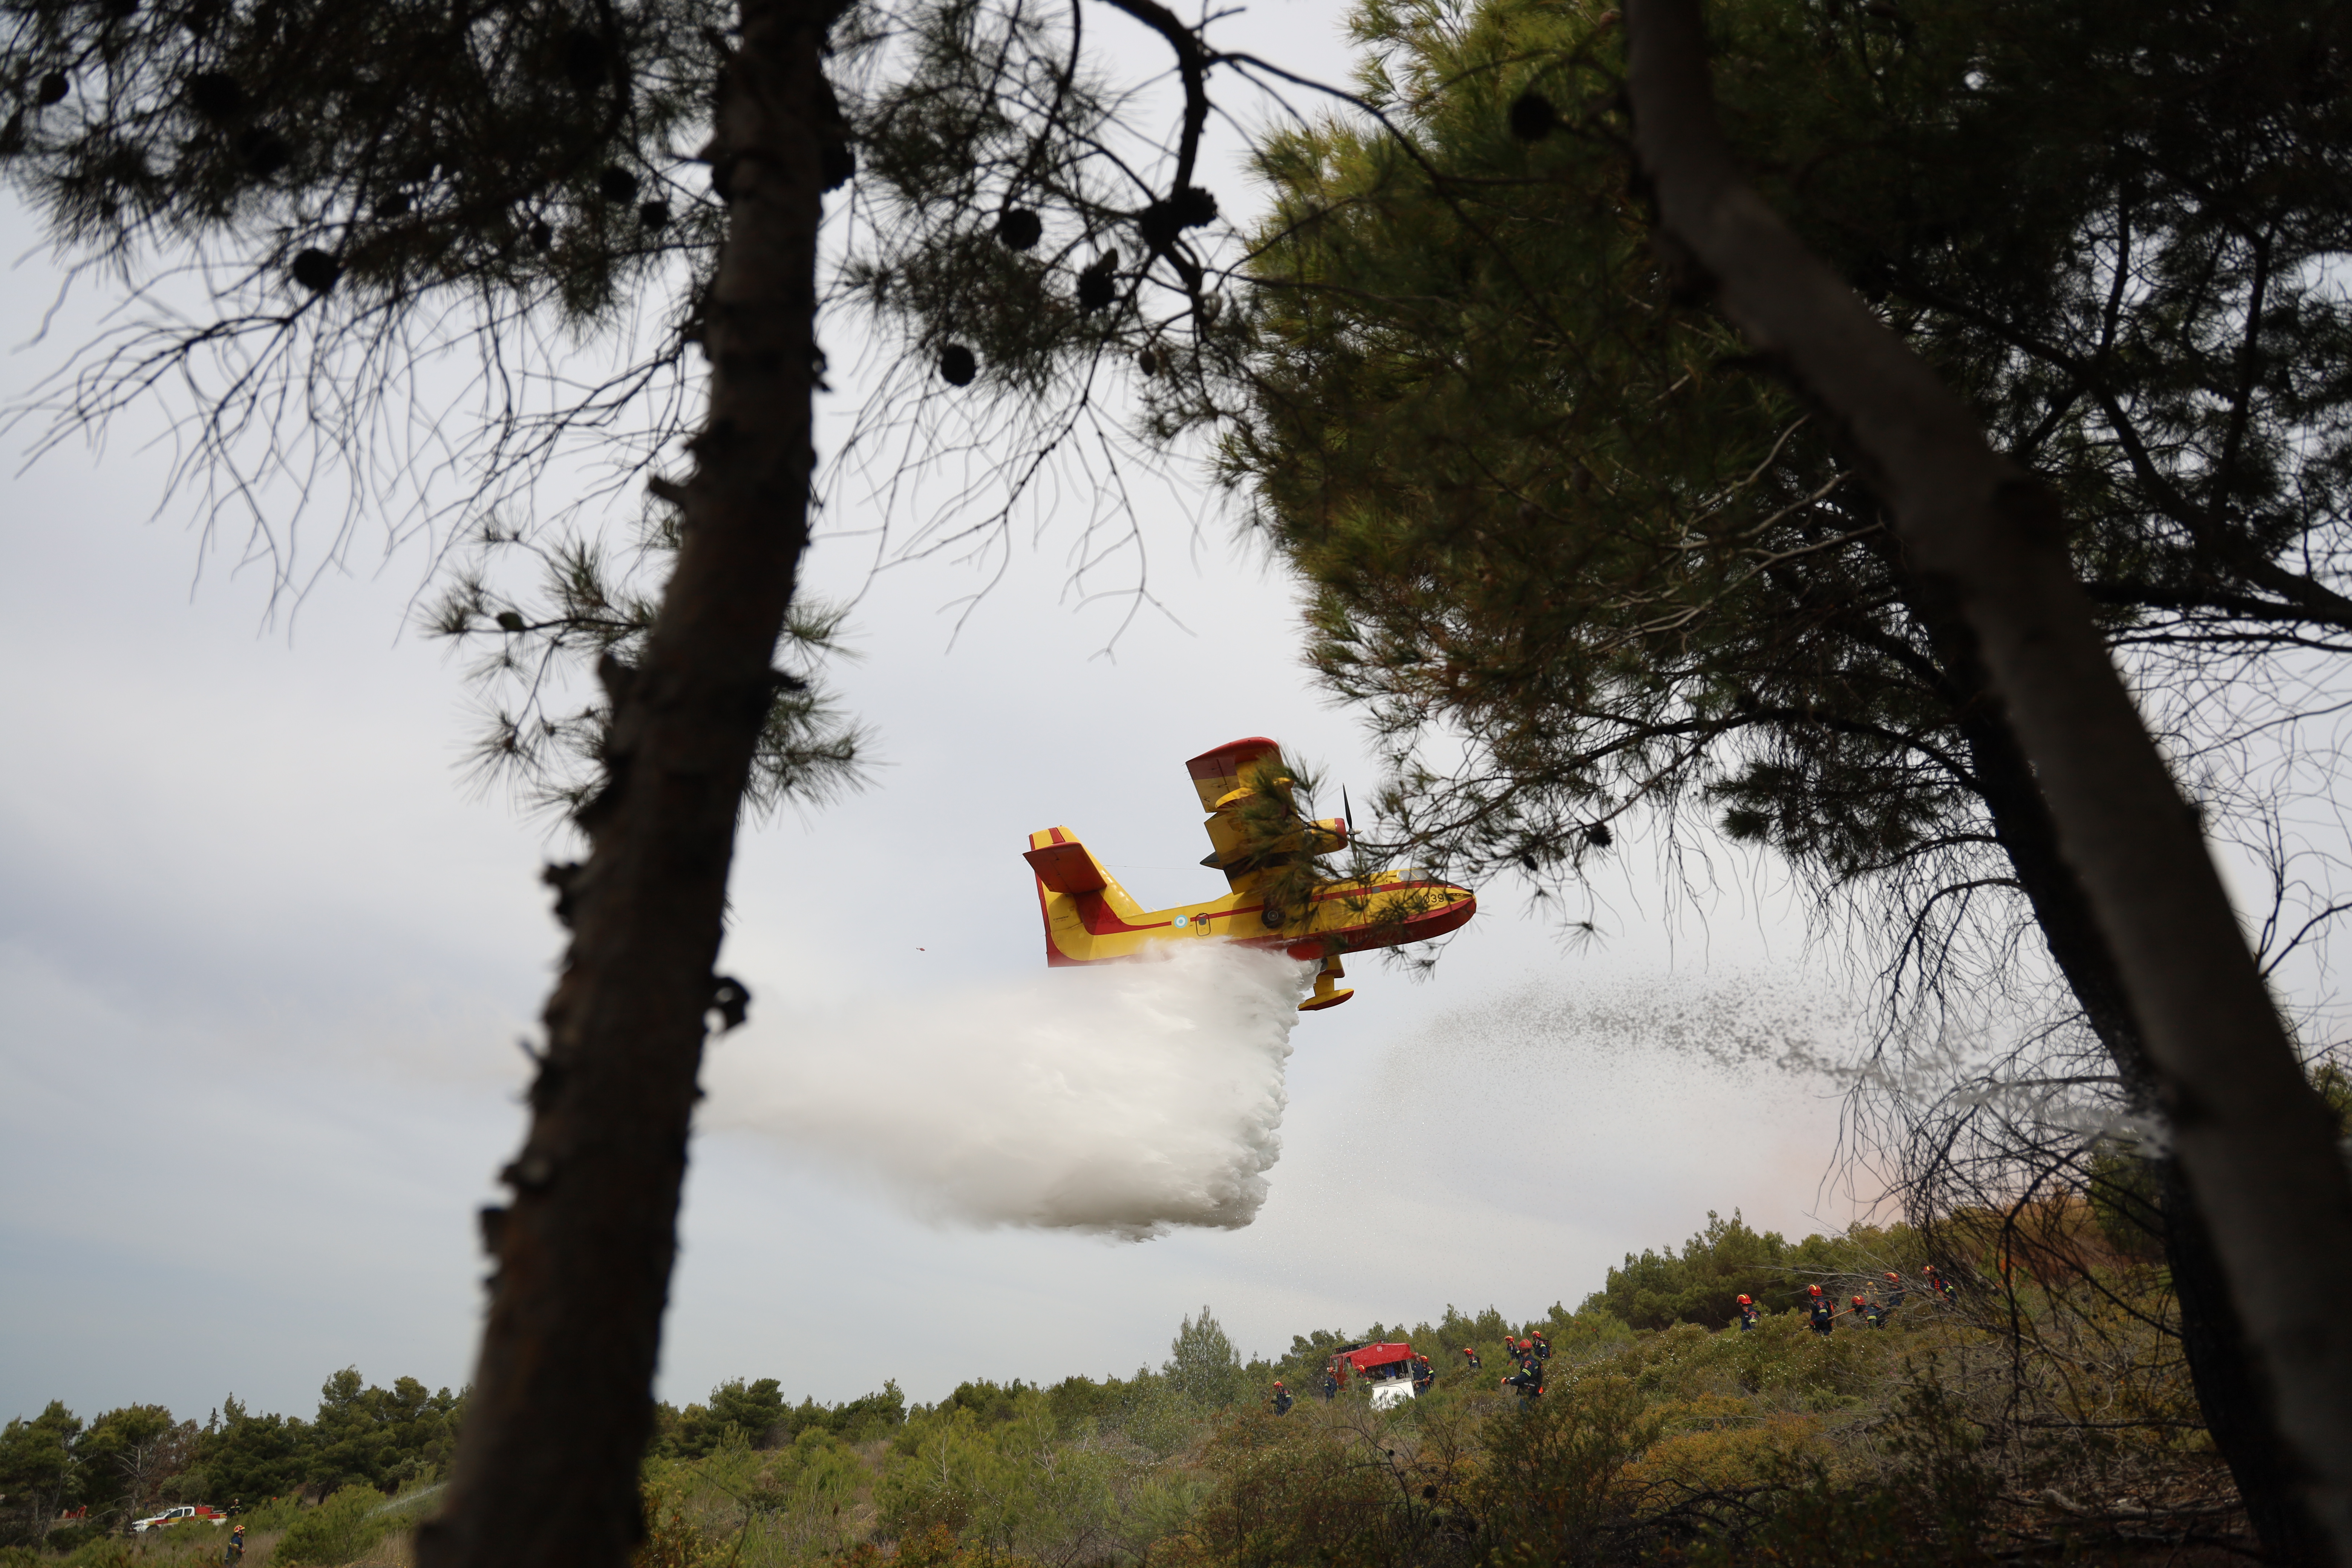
{"points": [[1545, 505], [1550, 507], [1554, 509]]}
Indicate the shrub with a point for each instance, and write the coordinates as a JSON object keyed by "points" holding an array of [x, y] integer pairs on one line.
{"points": [[673, 1539], [1295, 1489], [337, 1530]]}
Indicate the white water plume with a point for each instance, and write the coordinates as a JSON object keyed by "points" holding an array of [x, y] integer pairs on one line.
{"points": [[1122, 1099]]}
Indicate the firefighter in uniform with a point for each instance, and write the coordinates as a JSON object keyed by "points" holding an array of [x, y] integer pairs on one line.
{"points": [[1893, 1290], [1542, 1346], [1749, 1315], [1281, 1399], [1424, 1376], [1824, 1310], [1471, 1355]]}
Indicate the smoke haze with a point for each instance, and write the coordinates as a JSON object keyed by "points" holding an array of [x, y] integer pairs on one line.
{"points": [[1123, 1098]]}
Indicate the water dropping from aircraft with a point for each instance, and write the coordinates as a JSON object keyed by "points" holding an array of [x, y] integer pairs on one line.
{"points": [[1121, 1099]]}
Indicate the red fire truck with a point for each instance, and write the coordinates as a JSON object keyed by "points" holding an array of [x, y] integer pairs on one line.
{"points": [[1386, 1369]]}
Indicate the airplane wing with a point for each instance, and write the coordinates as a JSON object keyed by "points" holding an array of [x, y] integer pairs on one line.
{"points": [[1216, 773]]}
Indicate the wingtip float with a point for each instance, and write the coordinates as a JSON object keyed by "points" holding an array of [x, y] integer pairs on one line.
{"points": [[1259, 841]]}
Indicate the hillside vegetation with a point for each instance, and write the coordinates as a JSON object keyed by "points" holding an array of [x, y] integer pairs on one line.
{"points": [[2038, 1411]]}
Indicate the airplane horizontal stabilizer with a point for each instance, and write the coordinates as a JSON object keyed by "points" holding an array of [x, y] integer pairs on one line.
{"points": [[1065, 868]]}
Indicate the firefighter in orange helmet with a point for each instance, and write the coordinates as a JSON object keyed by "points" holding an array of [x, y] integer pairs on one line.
{"points": [[1749, 1315]]}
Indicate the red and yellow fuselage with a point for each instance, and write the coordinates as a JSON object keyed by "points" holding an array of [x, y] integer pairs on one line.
{"points": [[1090, 919]]}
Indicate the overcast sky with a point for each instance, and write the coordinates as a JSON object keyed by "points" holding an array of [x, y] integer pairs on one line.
{"points": [[264, 962]]}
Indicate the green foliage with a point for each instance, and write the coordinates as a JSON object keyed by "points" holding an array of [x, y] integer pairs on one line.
{"points": [[1202, 1365], [274, 1513], [948, 150], [1545, 503], [820, 1473], [755, 1409], [504, 174], [247, 1456], [1931, 1440], [755, 1416], [1296, 1490], [411, 156], [591, 603], [861, 1420], [752, 1414], [129, 1456], [383, 1438], [129, 1460], [1588, 1331], [1555, 1469], [1727, 1260], [674, 1537], [39, 1475], [1023, 1481], [338, 1529], [991, 1403]]}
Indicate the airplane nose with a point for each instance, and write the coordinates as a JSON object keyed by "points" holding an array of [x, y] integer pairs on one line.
{"points": [[1461, 904]]}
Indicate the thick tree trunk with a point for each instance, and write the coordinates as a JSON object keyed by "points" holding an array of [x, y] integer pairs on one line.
{"points": [[2230, 1390], [2236, 1407], [2256, 1145], [546, 1475]]}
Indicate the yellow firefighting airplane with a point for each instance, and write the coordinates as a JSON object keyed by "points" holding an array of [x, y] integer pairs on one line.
{"points": [[1090, 919]]}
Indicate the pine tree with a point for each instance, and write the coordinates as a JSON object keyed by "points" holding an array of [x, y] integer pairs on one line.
{"points": [[348, 192], [1547, 506], [1203, 1364]]}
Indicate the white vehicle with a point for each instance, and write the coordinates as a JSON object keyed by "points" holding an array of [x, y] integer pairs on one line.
{"points": [[1386, 1370], [186, 1512]]}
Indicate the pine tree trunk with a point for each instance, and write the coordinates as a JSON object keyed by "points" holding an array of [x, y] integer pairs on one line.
{"points": [[2237, 1408], [546, 1474], [2255, 1144], [2237, 1411]]}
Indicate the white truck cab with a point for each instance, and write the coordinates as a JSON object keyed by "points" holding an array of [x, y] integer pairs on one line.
{"points": [[184, 1513], [1386, 1370]]}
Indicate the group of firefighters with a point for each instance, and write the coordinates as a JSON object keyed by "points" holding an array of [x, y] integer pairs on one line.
{"points": [[1527, 1355], [1822, 1312]]}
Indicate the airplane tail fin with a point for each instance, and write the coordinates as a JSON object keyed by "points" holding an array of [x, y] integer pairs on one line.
{"points": [[1062, 863], [1074, 894]]}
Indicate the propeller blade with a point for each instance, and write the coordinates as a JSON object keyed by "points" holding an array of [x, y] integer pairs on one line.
{"points": [[1347, 814]]}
